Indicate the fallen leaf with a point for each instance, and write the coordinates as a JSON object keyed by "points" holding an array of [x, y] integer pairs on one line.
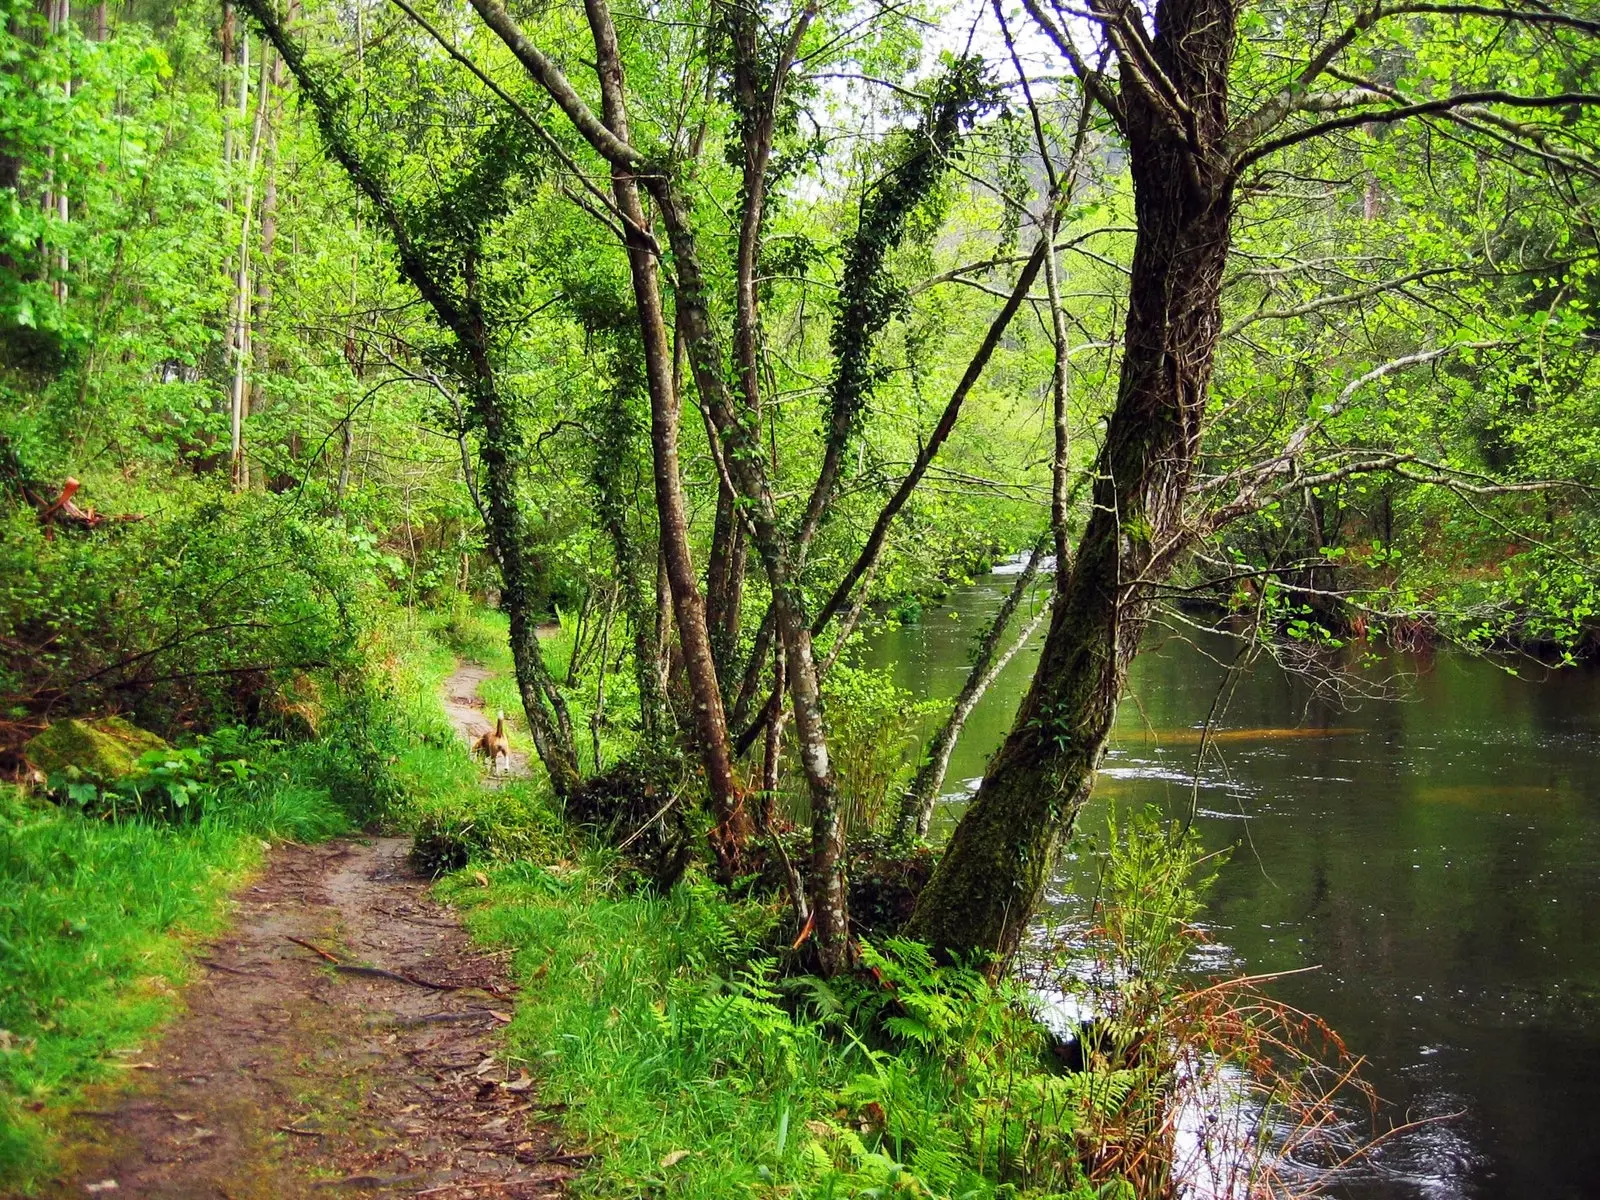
{"points": [[139, 1066], [503, 1018], [673, 1159], [520, 1084], [178, 1116], [485, 1067], [483, 880], [105, 1185]]}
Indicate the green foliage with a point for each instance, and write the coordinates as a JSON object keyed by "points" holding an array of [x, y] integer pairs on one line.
{"points": [[458, 826], [190, 618], [872, 723]]}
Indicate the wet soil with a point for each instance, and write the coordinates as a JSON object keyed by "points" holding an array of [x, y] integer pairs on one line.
{"points": [[344, 1039]]}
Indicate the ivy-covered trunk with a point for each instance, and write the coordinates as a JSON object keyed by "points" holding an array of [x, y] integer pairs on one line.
{"points": [[457, 308], [552, 738], [990, 879]]}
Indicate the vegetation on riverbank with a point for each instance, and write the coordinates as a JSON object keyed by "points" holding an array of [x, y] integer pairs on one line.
{"points": [[707, 333]]}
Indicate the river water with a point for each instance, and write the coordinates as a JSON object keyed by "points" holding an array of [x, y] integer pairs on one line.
{"points": [[1436, 855]]}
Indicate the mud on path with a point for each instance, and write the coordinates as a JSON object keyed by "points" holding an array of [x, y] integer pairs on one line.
{"points": [[291, 1075]]}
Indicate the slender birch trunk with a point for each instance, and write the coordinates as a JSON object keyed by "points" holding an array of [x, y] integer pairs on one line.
{"points": [[268, 241], [916, 807], [241, 292]]}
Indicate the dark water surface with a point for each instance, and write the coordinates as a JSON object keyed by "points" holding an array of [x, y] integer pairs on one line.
{"points": [[1438, 856]]}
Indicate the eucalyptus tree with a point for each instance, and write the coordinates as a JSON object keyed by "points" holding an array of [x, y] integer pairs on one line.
{"points": [[1217, 106]]}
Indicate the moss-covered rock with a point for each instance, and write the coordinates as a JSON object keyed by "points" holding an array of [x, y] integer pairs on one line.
{"points": [[104, 750]]}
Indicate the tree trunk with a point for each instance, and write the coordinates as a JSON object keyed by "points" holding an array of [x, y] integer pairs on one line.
{"points": [[241, 294], [269, 237], [725, 571], [617, 445], [989, 882], [226, 35], [726, 795]]}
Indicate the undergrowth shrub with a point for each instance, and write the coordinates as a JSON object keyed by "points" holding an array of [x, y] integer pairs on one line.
{"points": [[872, 722], [1216, 1087], [197, 617], [697, 1068]]}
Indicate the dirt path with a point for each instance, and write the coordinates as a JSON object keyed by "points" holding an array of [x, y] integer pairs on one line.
{"points": [[291, 1075]]}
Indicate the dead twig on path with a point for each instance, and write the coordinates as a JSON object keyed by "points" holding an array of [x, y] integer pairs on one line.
{"points": [[379, 972], [313, 948]]}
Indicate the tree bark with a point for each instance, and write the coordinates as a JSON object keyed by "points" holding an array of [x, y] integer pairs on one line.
{"points": [[268, 241], [241, 292], [617, 445], [725, 572], [726, 794], [990, 879]]}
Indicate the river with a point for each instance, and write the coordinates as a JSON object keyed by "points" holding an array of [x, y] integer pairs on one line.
{"points": [[1436, 855]]}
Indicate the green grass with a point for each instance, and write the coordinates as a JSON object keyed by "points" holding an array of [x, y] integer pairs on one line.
{"points": [[681, 1057], [691, 1069], [96, 924]]}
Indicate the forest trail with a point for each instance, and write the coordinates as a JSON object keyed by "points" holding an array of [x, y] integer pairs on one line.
{"points": [[291, 1075]]}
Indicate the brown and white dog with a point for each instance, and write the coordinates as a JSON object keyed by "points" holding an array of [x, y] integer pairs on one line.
{"points": [[495, 745]]}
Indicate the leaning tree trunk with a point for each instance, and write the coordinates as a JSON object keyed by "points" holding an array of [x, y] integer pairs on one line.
{"points": [[502, 447], [990, 880], [916, 806]]}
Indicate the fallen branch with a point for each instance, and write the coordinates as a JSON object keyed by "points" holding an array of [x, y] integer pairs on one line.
{"points": [[397, 977], [313, 948], [379, 972]]}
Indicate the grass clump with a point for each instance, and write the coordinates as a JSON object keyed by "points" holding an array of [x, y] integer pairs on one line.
{"points": [[694, 1067], [453, 829]]}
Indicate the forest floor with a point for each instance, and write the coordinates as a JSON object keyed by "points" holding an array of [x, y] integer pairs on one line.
{"points": [[342, 1041]]}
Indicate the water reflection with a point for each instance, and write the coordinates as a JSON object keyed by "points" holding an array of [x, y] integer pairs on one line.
{"points": [[1436, 856]]}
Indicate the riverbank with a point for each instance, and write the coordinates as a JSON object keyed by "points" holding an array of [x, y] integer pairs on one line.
{"points": [[667, 1049]]}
